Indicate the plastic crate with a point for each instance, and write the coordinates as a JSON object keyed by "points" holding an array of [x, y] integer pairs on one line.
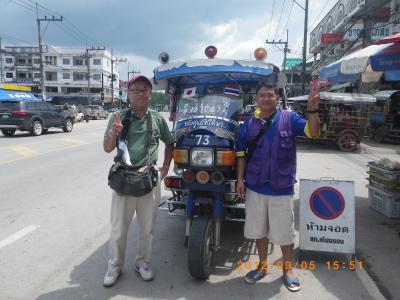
{"points": [[387, 204], [383, 172], [384, 186]]}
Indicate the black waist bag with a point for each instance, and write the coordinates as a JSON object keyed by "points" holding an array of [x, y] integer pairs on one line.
{"points": [[128, 180], [131, 181]]}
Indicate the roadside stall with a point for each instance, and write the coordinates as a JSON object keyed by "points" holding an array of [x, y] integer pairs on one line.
{"points": [[385, 116], [384, 187], [343, 116]]}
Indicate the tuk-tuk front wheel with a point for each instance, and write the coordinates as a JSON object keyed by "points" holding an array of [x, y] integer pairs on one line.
{"points": [[201, 247], [347, 141]]}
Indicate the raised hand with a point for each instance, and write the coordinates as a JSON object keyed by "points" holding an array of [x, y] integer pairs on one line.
{"points": [[117, 125], [313, 99]]}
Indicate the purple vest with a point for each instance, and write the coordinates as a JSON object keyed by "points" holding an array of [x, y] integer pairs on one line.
{"points": [[274, 160]]}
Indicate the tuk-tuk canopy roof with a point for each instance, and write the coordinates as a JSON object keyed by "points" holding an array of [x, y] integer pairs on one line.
{"points": [[385, 95], [339, 98], [16, 95], [214, 71]]}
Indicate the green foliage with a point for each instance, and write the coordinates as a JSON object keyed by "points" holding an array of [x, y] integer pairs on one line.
{"points": [[159, 98]]}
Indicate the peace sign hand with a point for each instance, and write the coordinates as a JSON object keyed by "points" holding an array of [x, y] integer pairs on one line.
{"points": [[117, 125]]}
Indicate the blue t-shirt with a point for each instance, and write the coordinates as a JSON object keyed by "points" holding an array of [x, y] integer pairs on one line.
{"points": [[299, 128]]}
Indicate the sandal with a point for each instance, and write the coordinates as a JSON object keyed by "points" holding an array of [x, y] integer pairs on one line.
{"points": [[253, 276], [292, 284]]}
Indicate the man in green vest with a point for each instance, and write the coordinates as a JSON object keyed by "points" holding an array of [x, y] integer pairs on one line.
{"points": [[146, 207]]}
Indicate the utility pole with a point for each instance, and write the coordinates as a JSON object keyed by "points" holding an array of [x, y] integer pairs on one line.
{"points": [[1, 63], [368, 21], [117, 60], [303, 69], [40, 46], [133, 72], [88, 57], [285, 50]]}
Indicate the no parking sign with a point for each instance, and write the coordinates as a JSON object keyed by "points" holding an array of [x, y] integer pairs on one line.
{"points": [[327, 216]]}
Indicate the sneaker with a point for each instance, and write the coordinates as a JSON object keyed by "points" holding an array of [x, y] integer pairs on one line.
{"points": [[111, 278], [144, 271]]}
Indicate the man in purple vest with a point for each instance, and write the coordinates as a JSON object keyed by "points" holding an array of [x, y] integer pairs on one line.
{"points": [[266, 174]]}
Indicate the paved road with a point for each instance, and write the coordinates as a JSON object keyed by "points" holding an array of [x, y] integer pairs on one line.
{"points": [[54, 220]]}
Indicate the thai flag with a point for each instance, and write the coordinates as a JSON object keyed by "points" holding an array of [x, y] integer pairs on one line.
{"points": [[232, 91]]}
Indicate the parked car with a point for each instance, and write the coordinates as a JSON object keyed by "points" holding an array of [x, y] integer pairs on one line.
{"points": [[97, 112], [33, 116]]}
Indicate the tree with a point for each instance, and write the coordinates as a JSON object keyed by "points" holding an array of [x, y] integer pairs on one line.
{"points": [[158, 98]]}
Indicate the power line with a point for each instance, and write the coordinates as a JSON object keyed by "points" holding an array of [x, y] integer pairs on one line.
{"points": [[287, 21], [68, 26], [16, 39], [320, 12], [280, 17], [315, 20], [270, 22]]}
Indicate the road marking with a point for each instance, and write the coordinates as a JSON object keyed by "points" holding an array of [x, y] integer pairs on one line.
{"points": [[18, 235], [97, 134], [74, 141], [47, 152], [24, 151]]}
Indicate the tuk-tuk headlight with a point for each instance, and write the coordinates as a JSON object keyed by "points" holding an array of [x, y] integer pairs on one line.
{"points": [[226, 158], [202, 157]]}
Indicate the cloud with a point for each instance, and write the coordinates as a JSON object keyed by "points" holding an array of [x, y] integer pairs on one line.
{"points": [[136, 63], [140, 30]]}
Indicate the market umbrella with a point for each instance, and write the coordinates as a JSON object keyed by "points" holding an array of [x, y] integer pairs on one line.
{"points": [[383, 56], [395, 38]]}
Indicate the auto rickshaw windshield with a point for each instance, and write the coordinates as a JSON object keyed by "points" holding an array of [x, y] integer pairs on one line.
{"points": [[211, 105]]}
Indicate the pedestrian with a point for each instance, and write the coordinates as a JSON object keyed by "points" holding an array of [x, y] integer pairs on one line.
{"points": [[146, 207], [266, 174], [87, 112]]}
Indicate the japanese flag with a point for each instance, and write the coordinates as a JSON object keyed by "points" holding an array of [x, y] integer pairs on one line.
{"points": [[190, 92]]}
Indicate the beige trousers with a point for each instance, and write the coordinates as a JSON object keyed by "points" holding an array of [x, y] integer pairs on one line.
{"points": [[123, 209]]}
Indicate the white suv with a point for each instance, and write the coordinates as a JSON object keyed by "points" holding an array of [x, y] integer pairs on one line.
{"points": [[97, 112]]}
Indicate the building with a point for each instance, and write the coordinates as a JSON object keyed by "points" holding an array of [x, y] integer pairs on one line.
{"points": [[293, 69], [351, 25], [65, 72]]}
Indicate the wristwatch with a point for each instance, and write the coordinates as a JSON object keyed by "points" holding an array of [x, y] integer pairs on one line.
{"points": [[112, 135]]}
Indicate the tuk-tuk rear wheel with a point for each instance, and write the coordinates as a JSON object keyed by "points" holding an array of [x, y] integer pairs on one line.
{"points": [[347, 142], [200, 247]]}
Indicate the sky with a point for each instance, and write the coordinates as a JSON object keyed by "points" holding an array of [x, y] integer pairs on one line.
{"points": [[140, 30]]}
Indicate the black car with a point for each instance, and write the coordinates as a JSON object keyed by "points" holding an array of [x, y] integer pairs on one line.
{"points": [[33, 116]]}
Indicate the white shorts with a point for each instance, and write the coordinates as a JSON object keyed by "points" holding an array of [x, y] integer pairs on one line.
{"points": [[269, 216]]}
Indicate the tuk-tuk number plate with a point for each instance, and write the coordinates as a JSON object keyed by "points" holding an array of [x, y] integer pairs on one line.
{"points": [[5, 116], [203, 139]]}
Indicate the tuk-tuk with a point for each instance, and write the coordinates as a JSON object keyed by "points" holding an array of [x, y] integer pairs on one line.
{"points": [[206, 107], [343, 117], [385, 117]]}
